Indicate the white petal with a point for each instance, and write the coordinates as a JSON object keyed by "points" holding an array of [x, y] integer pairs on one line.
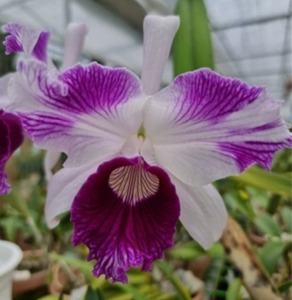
{"points": [[203, 212], [158, 36], [74, 41], [51, 158], [86, 112], [4, 100], [62, 189], [205, 126]]}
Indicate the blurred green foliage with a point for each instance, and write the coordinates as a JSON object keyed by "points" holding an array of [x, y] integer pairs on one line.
{"points": [[192, 48], [6, 61]]}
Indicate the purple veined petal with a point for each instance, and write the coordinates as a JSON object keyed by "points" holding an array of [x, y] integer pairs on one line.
{"points": [[63, 187], [159, 32], [126, 214], [87, 112], [203, 212], [37, 83], [23, 39], [74, 41], [211, 127], [11, 138]]}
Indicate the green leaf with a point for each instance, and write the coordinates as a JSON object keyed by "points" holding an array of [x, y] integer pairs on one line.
{"points": [[84, 266], [269, 181], [286, 213], [10, 225], [137, 276], [166, 297], [285, 286], [234, 290], [215, 272], [49, 297], [136, 294], [181, 291], [237, 205], [270, 255], [92, 294], [61, 297], [189, 250], [268, 225], [192, 47], [216, 251]]}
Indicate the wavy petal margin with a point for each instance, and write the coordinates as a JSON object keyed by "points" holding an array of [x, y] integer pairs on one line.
{"points": [[121, 228], [24, 39]]}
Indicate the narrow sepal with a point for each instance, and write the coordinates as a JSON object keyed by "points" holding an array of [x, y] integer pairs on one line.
{"points": [[159, 32]]}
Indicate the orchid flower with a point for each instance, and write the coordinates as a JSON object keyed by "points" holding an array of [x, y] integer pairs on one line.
{"points": [[34, 43], [10, 126], [11, 138], [139, 159]]}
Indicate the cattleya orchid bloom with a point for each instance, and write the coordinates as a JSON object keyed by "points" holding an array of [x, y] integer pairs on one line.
{"points": [[11, 138], [34, 44], [139, 159]]}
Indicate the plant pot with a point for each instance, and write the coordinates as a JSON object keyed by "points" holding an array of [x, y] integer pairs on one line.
{"points": [[10, 257]]}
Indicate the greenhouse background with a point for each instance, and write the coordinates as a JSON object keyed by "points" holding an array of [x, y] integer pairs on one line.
{"points": [[246, 39]]}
